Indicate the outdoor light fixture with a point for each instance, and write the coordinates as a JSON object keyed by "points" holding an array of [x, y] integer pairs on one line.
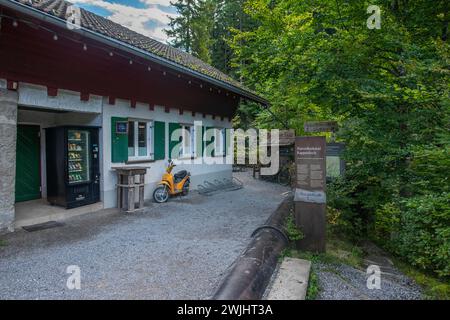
{"points": [[131, 61], [149, 69], [15, 23], [111, 54], [55, 37], [164, 73], [84, 47]]}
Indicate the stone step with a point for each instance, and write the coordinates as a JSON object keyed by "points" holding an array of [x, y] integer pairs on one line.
{"points": [[291, 281]]}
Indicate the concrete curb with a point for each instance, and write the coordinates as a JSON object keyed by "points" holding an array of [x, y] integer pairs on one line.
{"points": [[291, 281]]}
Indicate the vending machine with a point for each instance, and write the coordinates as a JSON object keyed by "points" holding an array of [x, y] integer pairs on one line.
{"points": [[73, 171]]}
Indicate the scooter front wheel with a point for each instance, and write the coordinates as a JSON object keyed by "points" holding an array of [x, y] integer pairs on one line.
{"points": [[161, 194]]}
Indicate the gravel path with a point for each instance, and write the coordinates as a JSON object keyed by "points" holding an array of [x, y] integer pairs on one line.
{"points": [[343, 282], [177, 250]]}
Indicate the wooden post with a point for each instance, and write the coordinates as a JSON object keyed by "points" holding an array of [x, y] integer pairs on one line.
{"points": [[130, 193], [141, 191], [119, 191]]}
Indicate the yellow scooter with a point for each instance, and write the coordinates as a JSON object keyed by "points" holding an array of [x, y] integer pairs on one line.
{"points": [[171, 185]]}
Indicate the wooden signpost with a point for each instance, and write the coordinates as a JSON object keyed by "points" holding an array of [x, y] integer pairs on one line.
{"points": [[310, 197], [320, 126]]}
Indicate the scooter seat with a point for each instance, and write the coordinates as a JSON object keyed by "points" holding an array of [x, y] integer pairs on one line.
{"points": [[180, 175]]}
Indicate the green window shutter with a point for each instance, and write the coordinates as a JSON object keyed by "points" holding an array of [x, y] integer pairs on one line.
{"points": [[174, 147], [119, 142], [209, 140], [160, 140]]}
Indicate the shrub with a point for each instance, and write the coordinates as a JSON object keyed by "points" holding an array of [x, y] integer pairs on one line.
{"points": [[424, 238]]}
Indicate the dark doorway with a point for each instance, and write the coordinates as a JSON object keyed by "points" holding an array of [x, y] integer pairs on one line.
{"points": [[28, 180]]}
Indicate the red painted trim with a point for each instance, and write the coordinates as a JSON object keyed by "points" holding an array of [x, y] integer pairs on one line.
{"points": [[11, 85], [151, 106], [133, 104], [52, 92], [112, 100], [84, 96], [166, 109], [32, 56]]}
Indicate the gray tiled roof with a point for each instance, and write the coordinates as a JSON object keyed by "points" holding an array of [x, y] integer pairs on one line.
{"points": [[118, 32]]}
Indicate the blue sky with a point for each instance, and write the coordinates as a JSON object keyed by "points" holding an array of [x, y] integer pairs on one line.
{"points": [[149, 17]]}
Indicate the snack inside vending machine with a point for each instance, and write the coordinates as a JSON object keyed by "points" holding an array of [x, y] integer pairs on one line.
{"points": [[73, 171]]}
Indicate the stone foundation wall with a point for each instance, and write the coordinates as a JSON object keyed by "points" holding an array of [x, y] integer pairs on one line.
{"points": [[8, 134]]}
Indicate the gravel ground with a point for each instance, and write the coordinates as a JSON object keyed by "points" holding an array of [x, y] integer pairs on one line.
{"points": [[343, 282], [177, 250]]}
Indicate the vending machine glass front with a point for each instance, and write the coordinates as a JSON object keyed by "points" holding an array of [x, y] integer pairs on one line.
{"points": [[78, 156]]}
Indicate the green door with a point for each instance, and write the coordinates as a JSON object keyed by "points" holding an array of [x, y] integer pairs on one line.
{"points": [[28, 181]]}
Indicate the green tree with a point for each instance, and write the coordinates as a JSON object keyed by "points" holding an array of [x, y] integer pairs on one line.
{"points": [[229, 15], [180, 30], [191, 29], [389, 90]]}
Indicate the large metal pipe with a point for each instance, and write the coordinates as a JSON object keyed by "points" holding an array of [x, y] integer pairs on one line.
{"points": [[250, 274]]}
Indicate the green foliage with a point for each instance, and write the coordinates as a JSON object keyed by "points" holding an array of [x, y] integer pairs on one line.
{"points": [[191, 29], [389, 91], [293, 233], [434, 288], [229, 15], [313, 285], [424, 238]]}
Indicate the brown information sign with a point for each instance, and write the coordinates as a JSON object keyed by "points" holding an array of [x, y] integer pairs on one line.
{"points": [[310, 197], [310, 163]]}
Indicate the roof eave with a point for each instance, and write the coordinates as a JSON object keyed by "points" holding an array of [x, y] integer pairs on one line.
{"points": [[126, 47]]}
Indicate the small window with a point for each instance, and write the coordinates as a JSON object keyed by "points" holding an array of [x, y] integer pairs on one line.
{"points": [[187, 139], [140, 146]]}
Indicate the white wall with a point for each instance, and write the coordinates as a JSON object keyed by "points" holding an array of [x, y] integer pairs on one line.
{"points": [[199, 172], [36, 96], [98, 112]]}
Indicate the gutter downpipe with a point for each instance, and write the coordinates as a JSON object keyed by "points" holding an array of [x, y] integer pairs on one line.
{"points": [[28, 10], [251, 272]]}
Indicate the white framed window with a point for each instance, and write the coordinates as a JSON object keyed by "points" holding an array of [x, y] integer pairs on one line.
{"points": [[219, 141], [140, 140], [188, 145]]}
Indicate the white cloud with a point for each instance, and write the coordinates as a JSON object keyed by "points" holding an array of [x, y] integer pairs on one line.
{"points": [[161, 2], [148, 21]]}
